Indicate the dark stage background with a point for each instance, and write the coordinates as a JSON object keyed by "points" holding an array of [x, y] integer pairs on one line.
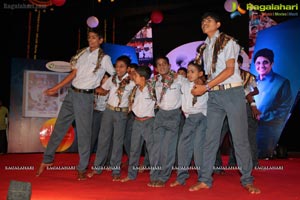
{"points": [[63, 30]]}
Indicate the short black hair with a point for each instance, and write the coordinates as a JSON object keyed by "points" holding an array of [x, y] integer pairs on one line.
{"points": [[200, 67], [265, 52], [97, 31], [125, 59], [213, 15], [144, 71], [133, 65], [182, 68], [161, 57]]}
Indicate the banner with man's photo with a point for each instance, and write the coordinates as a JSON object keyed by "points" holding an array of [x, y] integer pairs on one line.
{"points": [[274, 45]]}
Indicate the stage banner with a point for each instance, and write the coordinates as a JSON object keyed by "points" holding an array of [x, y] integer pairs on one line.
{"points": [[35, 102], [142, 42]]}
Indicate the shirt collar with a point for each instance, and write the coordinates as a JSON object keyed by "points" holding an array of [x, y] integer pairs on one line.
{"points": [[88, 50], [213, 39], [268, 77], [121, 78]]}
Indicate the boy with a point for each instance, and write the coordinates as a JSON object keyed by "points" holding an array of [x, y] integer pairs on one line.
{"points": [[88, 68], [226, 96], [114, 119], [143, 104], [167, 86]]}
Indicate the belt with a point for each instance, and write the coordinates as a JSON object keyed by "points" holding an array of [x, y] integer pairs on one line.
{"points": [[117, 109], [87, 91], [142, 118], [226, 86]]}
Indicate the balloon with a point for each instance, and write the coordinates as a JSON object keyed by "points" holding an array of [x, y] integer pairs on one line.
{"points": [[234, 14], [58, 2], [92, 21], [241, 10], [157, 17], [230, 5]]}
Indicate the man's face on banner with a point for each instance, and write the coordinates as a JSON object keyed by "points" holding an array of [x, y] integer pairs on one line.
{"points": [[263, 66]]}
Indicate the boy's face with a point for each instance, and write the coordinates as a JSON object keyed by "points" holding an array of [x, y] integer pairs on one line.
{"points": [[138, 79], [193, 73], [209, 25], [131, 72], [162, 66], [182, 73], [94, 40], [121, 68]]}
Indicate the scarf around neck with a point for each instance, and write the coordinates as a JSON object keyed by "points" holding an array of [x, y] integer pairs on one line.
{"points": [[219, 45], [120, 91], [80, 52], [151, 90], [167, 81]]}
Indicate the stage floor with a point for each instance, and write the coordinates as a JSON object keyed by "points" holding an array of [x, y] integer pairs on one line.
{"points": [[278, 179]]}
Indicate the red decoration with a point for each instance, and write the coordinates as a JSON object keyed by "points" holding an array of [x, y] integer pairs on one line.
{"points": [[58, 2], [156, 17]]}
